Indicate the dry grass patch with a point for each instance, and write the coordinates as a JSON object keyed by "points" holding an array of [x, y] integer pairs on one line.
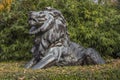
{"points": [[15, 70]]}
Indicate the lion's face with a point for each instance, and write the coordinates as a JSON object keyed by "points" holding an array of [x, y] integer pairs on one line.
{"points": [[37, 19], [41, 21]]}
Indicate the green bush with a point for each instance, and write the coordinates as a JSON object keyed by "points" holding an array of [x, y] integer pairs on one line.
{"points": [[89, 24]]}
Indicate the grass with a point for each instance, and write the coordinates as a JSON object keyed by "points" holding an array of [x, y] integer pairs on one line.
{"points": [[16, 71]]}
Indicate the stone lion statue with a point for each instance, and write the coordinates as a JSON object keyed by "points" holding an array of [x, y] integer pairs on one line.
{"points": [[52, 45]]}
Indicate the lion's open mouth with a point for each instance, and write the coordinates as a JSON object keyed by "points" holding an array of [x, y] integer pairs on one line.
{"points": [[35, 26]]}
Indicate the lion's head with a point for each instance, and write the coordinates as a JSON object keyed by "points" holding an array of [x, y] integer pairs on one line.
{"points": [[41, 21]]}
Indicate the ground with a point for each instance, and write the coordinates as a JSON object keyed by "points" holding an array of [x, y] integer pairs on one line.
{"points": [[16, 71]]}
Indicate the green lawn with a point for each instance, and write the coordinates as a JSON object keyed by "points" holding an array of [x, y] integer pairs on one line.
{"points": [[16, 71]]}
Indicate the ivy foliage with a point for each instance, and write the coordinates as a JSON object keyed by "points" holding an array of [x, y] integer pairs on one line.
{"points": [[89, 24]]}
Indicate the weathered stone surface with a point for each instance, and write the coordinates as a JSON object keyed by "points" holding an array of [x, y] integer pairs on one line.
{"points": [[52, 45]]}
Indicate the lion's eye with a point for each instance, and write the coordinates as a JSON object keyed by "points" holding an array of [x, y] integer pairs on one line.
{"points": [[40, 12]]}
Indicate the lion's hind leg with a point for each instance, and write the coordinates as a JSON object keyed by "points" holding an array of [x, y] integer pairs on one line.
{"points": [[93, 56]]}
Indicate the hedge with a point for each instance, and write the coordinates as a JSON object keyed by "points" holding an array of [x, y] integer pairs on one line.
{"points": [[89, 24]]}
